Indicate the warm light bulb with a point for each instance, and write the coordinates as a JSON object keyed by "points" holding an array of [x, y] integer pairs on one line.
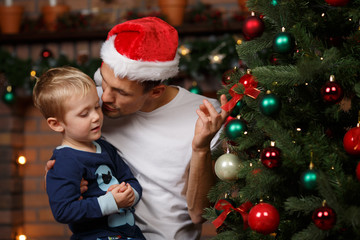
{"points": [[21, 160], [21, 237], [184, 50]]}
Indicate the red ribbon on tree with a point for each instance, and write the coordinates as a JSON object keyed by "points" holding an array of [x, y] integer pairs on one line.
{"points": [[250, 84], [224, 205]]}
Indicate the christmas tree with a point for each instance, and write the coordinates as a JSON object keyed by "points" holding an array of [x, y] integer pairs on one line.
{"points": [[289, 168]]}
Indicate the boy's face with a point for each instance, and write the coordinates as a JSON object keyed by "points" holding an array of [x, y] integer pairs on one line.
{"points": [[83, 118], [120, 95]]}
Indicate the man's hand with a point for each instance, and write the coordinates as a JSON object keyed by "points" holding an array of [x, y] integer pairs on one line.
{"points": [[208, 124], [124, 195], [49, 165]]}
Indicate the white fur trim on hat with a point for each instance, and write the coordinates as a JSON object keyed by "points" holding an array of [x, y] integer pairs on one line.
{"points": [[98, 77], [137, 69]]}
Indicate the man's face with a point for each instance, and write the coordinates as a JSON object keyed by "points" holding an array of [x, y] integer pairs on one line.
{"points": [[121, 96]]}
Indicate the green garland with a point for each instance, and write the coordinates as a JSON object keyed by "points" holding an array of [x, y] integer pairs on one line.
{"points": [[196, 64]]}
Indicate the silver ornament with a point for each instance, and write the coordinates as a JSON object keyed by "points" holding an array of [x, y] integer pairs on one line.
{"points": [[227, 167]]}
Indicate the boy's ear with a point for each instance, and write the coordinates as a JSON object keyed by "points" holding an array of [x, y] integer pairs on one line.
{"points": [[157, 91], [55, 124]]}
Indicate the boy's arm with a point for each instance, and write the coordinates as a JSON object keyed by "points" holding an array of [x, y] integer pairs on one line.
{"points": [[63, 189], [50, 164], [124, 174]]}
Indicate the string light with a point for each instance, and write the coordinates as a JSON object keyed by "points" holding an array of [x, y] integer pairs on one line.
{"points": [[21, 160], [183, 50], [33, 73], [21, 237], [217, 58]]}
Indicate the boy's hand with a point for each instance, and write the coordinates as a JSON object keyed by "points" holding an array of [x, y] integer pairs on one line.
{"points": [[122, 187], [124, 199]]}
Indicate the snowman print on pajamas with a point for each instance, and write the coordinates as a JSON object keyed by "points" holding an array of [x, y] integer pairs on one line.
{"points": [[105, 179]]}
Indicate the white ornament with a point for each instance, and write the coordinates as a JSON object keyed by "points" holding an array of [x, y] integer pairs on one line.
{"points": [[227, 167]]}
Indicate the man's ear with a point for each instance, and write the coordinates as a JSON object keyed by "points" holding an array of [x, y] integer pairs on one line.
{"points": [[157, 91], [55, 124]]}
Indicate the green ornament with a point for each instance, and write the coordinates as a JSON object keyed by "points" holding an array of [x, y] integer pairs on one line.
{"points": [[236, 110], [309, 179], [235, 128], [274, 2], [270, 104], [195, 90], [9, 97], [229, 200], [283, 43]]}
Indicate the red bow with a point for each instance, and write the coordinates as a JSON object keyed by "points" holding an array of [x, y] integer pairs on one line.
{"points": [[227, 207], [250, 90]]}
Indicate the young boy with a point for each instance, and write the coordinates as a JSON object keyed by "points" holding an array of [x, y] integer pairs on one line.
{"points": [[69, 101]]}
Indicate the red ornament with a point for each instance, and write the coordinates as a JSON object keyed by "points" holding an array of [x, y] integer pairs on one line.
{"points": [[45, 53], [226, 78], [228, 119], [270, 157], [324, 217], [253, 27], [248, 80], [337, 3], [264, 218], [332, 92], [358, 171], [351, 141], [256, 171], [250, 84]]}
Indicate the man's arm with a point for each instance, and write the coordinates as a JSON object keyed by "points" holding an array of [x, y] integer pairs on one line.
{"points": [[201, 174]]}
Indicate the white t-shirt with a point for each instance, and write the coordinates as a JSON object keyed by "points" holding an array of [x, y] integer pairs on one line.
{"points": [[157, 147]]}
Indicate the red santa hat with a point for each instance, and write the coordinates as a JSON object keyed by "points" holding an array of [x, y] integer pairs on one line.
{"points": [[142, 49]]}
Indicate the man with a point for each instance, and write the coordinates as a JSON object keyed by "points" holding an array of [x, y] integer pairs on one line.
{"points": [[164, 133]]}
